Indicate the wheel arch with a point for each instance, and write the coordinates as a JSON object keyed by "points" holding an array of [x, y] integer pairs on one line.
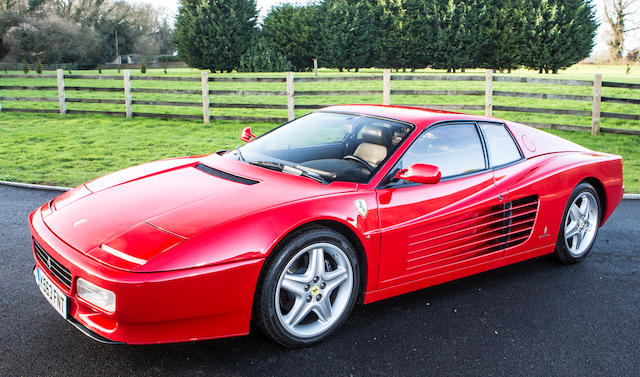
{"points": [[334, 225], [357, 245], [599, 187], [338, 227]]}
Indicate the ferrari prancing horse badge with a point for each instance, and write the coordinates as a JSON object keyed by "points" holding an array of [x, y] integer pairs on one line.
{"points": [[361, 206]]}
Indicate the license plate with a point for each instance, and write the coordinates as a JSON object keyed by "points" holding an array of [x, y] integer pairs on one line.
{"points": [[56, 298]]}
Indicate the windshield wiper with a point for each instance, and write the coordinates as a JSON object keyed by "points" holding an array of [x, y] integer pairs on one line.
{"points": [[305, 173], [277, 166], [268, 165]]}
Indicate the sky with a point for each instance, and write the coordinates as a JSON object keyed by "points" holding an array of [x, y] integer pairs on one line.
{"points": [[632, 39]]}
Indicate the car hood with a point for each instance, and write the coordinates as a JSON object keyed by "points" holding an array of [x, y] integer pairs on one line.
{"points": [[126, 218]]}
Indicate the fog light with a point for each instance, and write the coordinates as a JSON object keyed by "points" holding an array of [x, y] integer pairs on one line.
{"points": [[100, 297]]}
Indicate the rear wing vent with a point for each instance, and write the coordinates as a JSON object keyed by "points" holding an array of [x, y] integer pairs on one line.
{"points": [[224, 175]]}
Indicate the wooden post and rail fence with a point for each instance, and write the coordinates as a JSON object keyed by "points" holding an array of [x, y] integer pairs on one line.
{"points": [[289, 80]]}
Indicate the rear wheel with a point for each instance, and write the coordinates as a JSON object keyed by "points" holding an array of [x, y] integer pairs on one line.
{"points": [[309, 287], [579, 225]]}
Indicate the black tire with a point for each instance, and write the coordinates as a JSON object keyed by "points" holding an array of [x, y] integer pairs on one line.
{"points": [[563, 251], [266, 315]]}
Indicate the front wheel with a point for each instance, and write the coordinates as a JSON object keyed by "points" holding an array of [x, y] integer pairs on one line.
{"points": [[309, 287], [580, 224]]}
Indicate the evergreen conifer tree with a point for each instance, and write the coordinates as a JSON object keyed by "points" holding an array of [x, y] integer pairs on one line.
{"points": [[293, 30], [348, 33], [560, 33], [214, 34]]}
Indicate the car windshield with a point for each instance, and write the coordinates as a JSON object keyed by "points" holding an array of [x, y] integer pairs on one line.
{"points": [[327, 146]]}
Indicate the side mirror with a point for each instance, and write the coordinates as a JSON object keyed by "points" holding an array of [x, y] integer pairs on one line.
{"points": [[420, 173], [247, 135]]}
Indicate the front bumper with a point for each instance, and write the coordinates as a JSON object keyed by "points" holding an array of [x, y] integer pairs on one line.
{"points": [[161, 307]]}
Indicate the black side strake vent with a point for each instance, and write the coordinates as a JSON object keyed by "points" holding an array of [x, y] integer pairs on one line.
{"points": [[224, 175], [473, 234]]}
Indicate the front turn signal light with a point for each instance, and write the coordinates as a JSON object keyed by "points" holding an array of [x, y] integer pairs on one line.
{"points": [[100, 297]]}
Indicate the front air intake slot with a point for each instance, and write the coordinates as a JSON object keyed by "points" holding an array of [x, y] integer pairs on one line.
{"points": [[55, 268], [224, 175]]}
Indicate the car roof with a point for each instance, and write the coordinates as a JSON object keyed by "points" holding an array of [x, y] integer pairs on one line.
{"points": [[421, 117]]}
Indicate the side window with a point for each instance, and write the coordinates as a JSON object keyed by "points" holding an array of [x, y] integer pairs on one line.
{"points": [[501, 147], [454, 148]]}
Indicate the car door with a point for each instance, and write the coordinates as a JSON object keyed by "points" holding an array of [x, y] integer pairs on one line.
{"points": [[429, 229], [514, 175]]}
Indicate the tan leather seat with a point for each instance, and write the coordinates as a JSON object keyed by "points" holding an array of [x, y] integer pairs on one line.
{"points": [[374, 146]]}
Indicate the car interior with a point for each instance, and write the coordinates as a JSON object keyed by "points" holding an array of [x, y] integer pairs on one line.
{"points": [[341, 147]]}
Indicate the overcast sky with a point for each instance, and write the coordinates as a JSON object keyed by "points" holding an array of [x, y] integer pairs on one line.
{"points": [[633, 39]]}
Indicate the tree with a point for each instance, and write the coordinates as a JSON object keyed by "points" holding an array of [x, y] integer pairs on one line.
{"points": [[263, 57], [214, 34], [348, 33], [293, 32], [560, 33], [8, 19], [617, 13], [457, 35], [52, 40], [418, 41], [157, 40], [503, 29], [388, 49]]}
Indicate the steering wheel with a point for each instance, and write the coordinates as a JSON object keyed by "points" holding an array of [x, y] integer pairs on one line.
{"points": [[361, 161]]}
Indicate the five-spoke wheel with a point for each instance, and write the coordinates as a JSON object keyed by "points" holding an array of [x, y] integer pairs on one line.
{"points": [[308, 288], [314, 289], [579, 225]]}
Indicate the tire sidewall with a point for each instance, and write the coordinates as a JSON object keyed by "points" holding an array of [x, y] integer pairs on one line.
{"points": [[265, 300], [562, 252]]}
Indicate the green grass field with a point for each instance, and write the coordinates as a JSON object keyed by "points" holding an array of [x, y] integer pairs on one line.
{"points": [[45, 149], [69, 150]]}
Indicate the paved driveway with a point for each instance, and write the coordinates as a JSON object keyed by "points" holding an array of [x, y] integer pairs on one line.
{"points": [[536, 318]]}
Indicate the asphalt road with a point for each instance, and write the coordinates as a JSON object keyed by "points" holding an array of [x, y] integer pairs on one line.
{"points": [[536, 318]]}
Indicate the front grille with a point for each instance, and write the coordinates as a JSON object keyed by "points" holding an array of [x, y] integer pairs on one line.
{"points": [[58, 271]]}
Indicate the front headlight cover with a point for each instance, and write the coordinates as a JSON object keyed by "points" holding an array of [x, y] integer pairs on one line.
{"points": [[100, 297]]}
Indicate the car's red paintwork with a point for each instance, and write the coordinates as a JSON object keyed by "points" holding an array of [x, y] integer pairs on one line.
{"points": [[198, 242]]}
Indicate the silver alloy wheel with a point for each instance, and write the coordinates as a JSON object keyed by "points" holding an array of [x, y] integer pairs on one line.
{"points": [[314, 290], [581, 224]]}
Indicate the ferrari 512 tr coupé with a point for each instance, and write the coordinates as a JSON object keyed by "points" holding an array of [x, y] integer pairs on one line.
{"points": [[347, 204]]}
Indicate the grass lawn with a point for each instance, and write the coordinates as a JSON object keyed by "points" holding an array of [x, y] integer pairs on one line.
{"points": [[67, 151]]}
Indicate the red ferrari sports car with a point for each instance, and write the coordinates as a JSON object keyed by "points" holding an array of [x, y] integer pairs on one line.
{"points": [[289, 231]]}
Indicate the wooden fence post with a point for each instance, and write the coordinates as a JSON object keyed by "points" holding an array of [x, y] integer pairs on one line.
{"points": [[386, 86], [315, 67], [597, 98], [61, 95], [204, 77], [290, 93], [126, 76], [488, 93]]}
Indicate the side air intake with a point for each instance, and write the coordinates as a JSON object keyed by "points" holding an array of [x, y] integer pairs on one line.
{"points": [[473, 234]]}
